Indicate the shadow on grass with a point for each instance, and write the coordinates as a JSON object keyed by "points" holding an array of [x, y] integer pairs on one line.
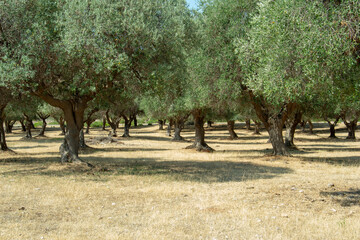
{"points": [[344, 198], [194, 171], [341, 161]]}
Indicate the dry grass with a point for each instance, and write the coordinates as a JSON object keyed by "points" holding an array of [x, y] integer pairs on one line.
{"points": [[147, 187]]}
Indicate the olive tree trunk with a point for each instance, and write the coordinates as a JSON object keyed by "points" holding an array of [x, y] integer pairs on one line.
{"points": [[3, 145], [127, 125], [257, 127], [199, 144], [332, 126], [168, 130], [351, 127], [9, 124], [291, 124], [230, 128], [23, 128], [113, 122], [273, 122], [247, 124], [161, 124], [28, 126]]}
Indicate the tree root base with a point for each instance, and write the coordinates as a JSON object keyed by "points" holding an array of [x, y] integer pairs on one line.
{"points": [[200, 148]]}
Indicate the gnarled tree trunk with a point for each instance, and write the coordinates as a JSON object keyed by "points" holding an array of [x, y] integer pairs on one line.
{"points": [[311, 127], [9, 124], [273, 123], [230, 128], [127, 125], [350, 125], [291, 124], [199, 144], [178, 126], [104, 123], [113, 122]]}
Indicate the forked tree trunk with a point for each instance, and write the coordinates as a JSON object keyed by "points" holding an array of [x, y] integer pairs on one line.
{"points": [[9, 124], [291, 124], [257, 127], [23, 128], [114, 123], [273, 122], [127, 126], [32, 124], [199, 143], [178, 126], [247, 124], [332, 126], [351, 126], [3, 145], [230, 127]]}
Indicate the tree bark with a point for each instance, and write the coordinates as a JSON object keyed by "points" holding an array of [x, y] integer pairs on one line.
{"points": [[114, 123], [104, 123], [209, 124], [3, 145], [291, 124], [82, 139], [9, 124], [311, 127], [127, 125], [135, 121], [276, 138], [178, 126], [332, 126], [161, 124], [248, 124], [230, 127], [199, 144], [168, 130], [257, 127], [28, 126], [23, 127], [43, 117], [273, 122], [351, 127], [43, 128]]}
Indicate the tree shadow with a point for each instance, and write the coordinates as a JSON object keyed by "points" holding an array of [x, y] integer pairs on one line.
{"points": [[344, 198], [193, 171], [341, 161]]}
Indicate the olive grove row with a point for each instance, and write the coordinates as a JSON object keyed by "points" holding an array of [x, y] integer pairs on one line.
{"points": [[277, 62]]}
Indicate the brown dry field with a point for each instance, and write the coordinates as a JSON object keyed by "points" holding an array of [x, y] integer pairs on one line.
{"points": [[147, 187]]}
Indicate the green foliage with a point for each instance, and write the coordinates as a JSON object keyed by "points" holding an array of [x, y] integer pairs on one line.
{"points": [[296, 51]]}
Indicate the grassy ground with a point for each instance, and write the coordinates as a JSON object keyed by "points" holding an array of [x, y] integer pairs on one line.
{"points": [[148, 187]]}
